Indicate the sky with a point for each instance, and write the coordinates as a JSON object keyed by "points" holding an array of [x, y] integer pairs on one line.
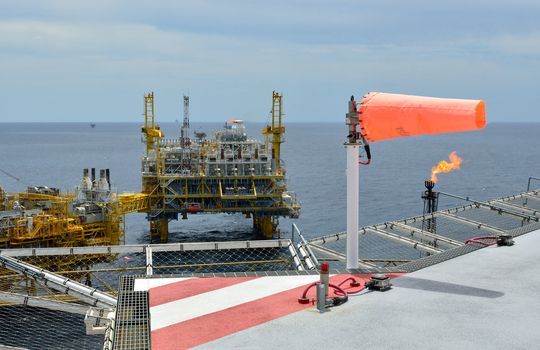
{"points": [[84, 61]]}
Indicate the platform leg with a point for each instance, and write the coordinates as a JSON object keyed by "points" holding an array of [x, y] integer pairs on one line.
{"points": [[164, 230], [265, 225], [154, 230], [159, 228]]}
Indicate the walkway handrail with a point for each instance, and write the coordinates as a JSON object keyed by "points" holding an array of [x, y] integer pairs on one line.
{"points": [[529, 183], [91, 296], [305, 250]]}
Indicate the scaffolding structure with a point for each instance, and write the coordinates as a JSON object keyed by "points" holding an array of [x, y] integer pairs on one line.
{"points": [[228, 173]]}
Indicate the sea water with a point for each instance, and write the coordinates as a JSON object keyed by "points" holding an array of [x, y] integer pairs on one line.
{"points": [[496, 161]]}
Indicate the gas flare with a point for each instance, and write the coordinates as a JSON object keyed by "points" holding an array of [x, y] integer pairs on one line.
{"points": [[445, 167]]}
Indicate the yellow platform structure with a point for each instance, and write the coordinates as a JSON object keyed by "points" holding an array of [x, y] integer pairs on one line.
{"points": [[226, 173]]}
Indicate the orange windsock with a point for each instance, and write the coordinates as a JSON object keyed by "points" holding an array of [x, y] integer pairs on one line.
{"points": [[386, 116]]}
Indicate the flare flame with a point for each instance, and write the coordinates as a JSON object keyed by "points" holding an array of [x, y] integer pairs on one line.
{"points": [[445, 167]]}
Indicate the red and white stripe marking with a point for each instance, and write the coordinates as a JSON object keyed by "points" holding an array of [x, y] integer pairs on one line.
{"points": [[186, 312]]}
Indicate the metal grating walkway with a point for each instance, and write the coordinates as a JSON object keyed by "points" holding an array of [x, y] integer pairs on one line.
{"points": [[404, 245], [407, 245], [132, 321]]}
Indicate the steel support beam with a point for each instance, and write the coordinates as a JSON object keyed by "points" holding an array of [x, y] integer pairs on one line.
{"points": [[19, 299], [450, 243], [141, 248], [342, 257], [86, 294], [531, 196], [403, 240], [478, 225], [518, 207], [492, 207], [328, 238]]}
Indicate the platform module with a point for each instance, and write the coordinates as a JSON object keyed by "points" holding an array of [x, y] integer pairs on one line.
{"points": [[93, 214], [227, 173]]}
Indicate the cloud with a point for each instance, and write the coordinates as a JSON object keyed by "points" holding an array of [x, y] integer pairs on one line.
{"points": [[225, 54], [528, 45], [243, 49], [64, 38]]}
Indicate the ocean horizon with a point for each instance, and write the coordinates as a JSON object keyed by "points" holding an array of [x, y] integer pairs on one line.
{"points": [[496, 161]]}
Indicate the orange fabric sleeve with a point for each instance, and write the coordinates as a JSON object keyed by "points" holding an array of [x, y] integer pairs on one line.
{"points": [[386, 116]]}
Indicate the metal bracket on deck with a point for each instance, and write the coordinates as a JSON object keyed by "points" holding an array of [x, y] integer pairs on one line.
{"points": [[379, 282]]}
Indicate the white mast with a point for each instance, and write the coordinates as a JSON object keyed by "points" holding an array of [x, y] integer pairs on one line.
{"points": [[352, 146]]}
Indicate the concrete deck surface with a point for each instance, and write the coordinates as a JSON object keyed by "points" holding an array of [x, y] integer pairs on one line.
{"points": [[488, 299]]}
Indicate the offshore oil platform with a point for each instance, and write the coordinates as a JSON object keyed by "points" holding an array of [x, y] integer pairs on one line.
{"points": [[228, 173]]}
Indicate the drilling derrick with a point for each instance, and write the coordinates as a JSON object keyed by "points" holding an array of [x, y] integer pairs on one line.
{"points": [[184, 132], [228, 173]]}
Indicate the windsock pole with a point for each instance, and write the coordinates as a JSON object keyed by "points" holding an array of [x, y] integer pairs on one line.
{"points": [[352, 205], [352, 147]]}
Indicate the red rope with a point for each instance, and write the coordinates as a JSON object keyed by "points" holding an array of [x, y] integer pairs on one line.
{"points": [[478, 240]]}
